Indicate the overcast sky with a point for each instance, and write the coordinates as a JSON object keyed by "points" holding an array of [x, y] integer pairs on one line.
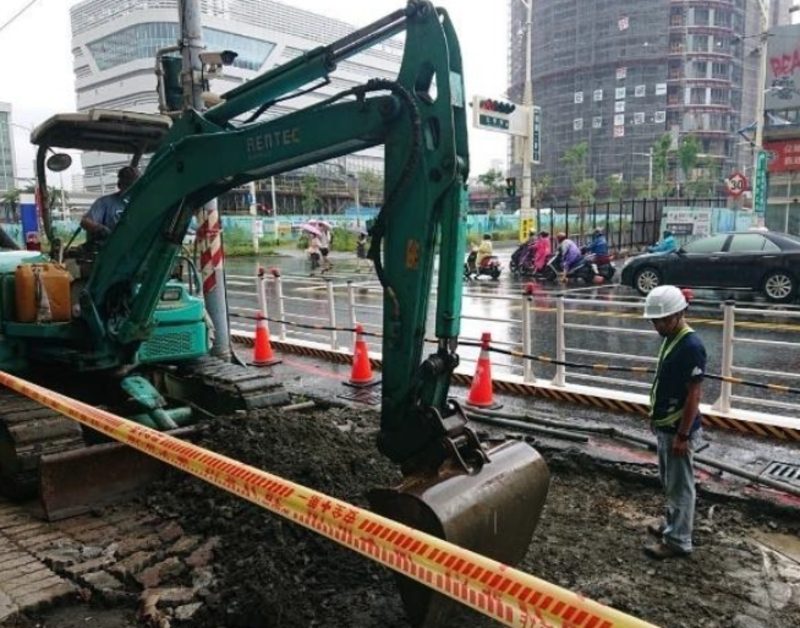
{"points": [[38, 81]]}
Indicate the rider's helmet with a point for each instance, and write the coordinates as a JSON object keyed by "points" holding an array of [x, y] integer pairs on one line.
{"points": [[561, 236]]}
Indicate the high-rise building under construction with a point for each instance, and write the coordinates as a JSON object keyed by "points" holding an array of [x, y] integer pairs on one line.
{"points": [[618, 75]]}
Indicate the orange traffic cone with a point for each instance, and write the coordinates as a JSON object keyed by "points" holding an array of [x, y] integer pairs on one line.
{"points": [[361, 374], [262, 350], [481, 394]]}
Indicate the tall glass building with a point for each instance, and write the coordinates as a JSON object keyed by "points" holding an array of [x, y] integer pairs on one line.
{"points": [[7, 169], [114, 43]]}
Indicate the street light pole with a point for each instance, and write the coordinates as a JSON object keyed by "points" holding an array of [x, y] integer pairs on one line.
{"points": [[526, 213], [760, 105]]}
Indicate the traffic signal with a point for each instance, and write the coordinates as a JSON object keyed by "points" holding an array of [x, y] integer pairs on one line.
{"points": [[499, 106], [511, 186]]}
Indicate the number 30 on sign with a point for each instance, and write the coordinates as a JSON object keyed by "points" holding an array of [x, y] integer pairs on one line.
{"points": [[737, 184]]}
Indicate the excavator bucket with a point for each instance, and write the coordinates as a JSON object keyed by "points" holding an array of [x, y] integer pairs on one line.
{"points": [[493, 512]]}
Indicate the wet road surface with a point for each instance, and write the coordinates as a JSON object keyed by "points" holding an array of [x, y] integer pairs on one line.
{"points": [[600, 327]]}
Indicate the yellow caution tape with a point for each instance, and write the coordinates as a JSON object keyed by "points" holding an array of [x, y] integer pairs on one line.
{"points": [[509, 596]]}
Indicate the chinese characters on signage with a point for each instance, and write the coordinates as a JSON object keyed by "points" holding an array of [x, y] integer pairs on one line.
{"points": [[784, 155]]}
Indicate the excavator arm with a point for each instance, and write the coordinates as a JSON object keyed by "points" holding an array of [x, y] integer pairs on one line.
{"points": [[420, 118]]}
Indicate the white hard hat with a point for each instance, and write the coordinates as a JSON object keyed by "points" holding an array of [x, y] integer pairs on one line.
{"points": [[664, 301]]}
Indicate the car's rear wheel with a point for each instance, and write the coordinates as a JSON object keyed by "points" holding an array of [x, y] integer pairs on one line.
{"points": [[646, 279], [779, 286]]}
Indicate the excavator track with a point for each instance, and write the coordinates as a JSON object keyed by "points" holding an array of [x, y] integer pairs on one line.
{"points": [[219, 387], [28, 431]]}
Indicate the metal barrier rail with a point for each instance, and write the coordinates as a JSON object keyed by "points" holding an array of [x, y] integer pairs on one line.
{"points": [[521, 351]]}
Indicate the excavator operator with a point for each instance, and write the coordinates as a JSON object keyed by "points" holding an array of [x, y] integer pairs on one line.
{"points": [[105, 212]]}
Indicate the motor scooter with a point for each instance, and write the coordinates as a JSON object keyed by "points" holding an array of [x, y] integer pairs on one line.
{"points": [[489, 267], [582, 271], [601, 265]]}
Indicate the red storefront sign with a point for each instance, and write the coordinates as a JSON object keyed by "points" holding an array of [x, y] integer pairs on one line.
{"points": [[784, 155]]}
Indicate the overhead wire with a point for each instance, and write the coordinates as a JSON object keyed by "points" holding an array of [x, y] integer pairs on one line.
{"points": [[18, 14]]}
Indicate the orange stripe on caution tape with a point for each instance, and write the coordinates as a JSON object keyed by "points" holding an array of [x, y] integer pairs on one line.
{"points": [[505, 594]]}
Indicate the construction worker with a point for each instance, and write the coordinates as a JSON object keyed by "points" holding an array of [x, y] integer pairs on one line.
{"points": [[105, 212], [675, 418]]}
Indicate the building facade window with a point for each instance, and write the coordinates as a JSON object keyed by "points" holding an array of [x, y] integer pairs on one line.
{"points": [[142, 41]]}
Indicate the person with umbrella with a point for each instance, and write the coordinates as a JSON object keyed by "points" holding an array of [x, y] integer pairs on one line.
{"points": [[314, 245], [361, 250], [324, 243]]}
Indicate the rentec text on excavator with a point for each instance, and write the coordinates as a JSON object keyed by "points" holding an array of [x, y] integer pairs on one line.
{"points": [[109, 325]]}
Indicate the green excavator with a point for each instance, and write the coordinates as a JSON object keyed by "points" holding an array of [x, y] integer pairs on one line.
{"points": [[134, 339]]}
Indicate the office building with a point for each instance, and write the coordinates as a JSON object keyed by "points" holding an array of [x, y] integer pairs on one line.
{"points": [[114, 43], [7, 169]]}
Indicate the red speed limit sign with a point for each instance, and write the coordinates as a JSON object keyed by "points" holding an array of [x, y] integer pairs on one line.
{"points": [[737, 183]]}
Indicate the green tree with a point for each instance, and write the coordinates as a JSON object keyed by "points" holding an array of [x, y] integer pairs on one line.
{"points": [[10, 201], [616, 187], [541, 188], [494, 180], [583, 188], [639, 187], [370, 185], [310, 190], [688, 151], [661, 178]]}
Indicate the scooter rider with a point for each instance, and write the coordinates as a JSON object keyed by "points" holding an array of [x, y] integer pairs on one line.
{"points": [[541, 251], [667, 244], [569, 255], [485, 249], [599, 245]]}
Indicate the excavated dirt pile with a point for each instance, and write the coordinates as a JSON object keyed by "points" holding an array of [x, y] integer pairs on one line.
{"points": [[269, 572]]}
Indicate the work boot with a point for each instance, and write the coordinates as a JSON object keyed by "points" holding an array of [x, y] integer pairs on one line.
{"points": [[660, 551]]}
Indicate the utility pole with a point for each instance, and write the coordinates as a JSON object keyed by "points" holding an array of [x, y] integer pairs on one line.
{"points": [[251, 192], [760, 177], [274, 208], [210, 232], [526, 212]]}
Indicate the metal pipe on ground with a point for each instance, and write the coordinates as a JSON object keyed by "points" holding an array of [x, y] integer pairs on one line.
{"points": [[613, 432], [527, 427]]}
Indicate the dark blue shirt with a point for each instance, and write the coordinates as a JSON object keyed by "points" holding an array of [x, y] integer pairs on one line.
{"points": [[685, 363]]}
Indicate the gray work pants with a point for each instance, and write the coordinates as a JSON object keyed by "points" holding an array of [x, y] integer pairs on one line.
{"points": [[677, 480]]}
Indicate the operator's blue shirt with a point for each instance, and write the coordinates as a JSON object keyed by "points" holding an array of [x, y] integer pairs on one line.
{"points": [[684, 363], [107, 210]]}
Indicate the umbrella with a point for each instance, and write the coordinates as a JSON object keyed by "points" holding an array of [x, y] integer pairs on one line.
{"points": [[311, 229], [321, 223]]}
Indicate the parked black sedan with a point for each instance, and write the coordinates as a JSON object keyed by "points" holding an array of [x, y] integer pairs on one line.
{"points": [[760, 260]]}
